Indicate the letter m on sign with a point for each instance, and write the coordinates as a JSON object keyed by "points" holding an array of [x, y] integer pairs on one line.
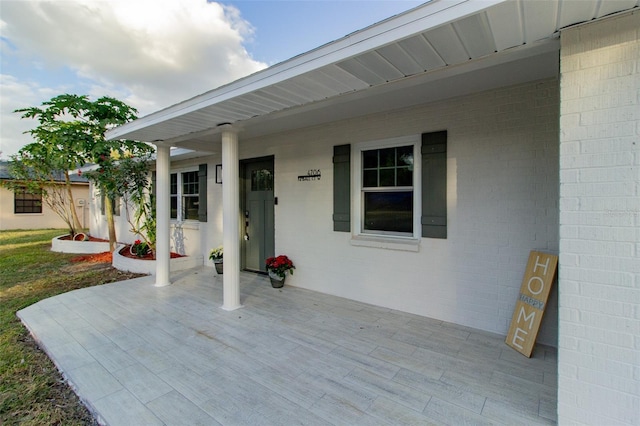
{"points": [[534, 293]]}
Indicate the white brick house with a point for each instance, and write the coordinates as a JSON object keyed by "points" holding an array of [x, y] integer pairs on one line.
{"points": [[523, 119]]}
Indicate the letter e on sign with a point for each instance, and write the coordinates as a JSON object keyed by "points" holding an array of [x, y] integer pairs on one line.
{"points": [[532, 300]]}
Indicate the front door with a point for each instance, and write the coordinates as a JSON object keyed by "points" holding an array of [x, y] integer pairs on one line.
{"points": [[257, 208]]}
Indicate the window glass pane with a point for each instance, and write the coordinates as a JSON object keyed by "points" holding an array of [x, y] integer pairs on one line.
{"points": [[404, 176], [190, 206], [405, 156], [174, 183], [190, 183], [174, 207], [370, 159], [370, 178], [262, 180], [388, 211], [388, 157], [387, 177]]}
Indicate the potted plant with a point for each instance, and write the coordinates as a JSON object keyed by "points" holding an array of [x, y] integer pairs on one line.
{"points": [[216, 256], [277, 267]]}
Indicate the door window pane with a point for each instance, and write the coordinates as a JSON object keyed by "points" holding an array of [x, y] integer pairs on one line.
{"points": [[262, 180]]}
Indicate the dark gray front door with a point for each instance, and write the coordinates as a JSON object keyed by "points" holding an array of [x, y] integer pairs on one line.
{"points": [[257, 222]]}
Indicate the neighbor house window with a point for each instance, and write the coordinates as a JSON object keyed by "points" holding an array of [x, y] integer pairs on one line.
{"points": [[25, 202], [387, 191], [185, 195]]}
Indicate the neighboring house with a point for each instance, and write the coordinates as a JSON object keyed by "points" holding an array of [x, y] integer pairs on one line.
{"points": [[414, 165], [21, 210]]}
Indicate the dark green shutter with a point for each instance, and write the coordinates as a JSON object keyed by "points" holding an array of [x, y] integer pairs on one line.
{"points": [[202, 194], [342, 188], [434, 185]]}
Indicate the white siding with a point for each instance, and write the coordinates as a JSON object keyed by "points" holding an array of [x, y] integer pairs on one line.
{"points": [[599, 342]]}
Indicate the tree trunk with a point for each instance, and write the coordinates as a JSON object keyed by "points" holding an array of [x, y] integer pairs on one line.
{"points": [[108, 211], [72, 206]]}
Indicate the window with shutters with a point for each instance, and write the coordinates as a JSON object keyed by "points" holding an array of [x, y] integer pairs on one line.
{"points": [[387, 186], [400, 186]]}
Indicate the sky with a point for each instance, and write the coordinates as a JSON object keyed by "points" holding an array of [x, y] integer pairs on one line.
{"points": [[155, 53]]}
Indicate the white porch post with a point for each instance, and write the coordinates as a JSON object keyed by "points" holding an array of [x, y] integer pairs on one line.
{"points": [[230, 219], [163, 252]]}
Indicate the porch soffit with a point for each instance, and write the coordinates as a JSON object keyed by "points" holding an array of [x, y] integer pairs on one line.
{"points": [[417, 52]]}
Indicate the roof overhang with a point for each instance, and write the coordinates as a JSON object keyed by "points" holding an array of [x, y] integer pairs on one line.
{"points": [[438, 50]]}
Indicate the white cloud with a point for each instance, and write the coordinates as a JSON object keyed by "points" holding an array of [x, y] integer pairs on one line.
{"points": [[148, 53]]}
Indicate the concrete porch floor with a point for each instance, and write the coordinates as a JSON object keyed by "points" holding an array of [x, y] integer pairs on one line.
{"points": [[141, 355]]}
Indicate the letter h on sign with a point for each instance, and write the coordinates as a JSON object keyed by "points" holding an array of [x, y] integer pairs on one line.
{"points": [[534, 293]]}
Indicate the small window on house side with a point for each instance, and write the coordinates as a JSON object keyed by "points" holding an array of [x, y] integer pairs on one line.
{"points": [[25, 202]]}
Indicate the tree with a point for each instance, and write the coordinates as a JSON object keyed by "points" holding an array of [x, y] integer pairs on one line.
{"points": [[128, 178], [71, 133]]}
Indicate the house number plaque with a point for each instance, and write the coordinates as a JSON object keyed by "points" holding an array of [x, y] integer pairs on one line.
{"points": [[313, 174], [532, 301]]}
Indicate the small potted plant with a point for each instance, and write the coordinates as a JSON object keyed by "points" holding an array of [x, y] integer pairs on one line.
{"points": [[277, 267], [216, 256]]}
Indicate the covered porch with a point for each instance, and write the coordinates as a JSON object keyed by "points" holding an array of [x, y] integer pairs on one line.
{"points": [[139, 354]]}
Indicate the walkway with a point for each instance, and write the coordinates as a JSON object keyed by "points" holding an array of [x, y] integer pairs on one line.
{"points": [[142, 355]]}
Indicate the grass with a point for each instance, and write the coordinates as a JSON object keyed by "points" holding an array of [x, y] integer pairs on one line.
{"points": [[32, 392]]}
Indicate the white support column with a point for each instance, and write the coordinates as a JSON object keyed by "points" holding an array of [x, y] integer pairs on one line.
{"points": [[163, 207], [231, 219]]}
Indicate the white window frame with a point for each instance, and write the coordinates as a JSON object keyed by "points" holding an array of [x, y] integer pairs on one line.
{"points": [[180, 194], [357, 205]]}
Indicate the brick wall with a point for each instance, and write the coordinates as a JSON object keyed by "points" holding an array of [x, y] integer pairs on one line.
{"points": [[599, 314]]}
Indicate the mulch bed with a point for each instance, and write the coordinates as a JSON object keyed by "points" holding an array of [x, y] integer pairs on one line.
{"points": [[149, 256], [90, 238], [104, 257]]}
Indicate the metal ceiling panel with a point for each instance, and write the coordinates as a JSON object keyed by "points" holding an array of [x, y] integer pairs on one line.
{"points": [[342, 77], [311, 82], [357, 69], [422, 52], [446, 42], [506, 25], [611, 6], [540, 19], [582, 11], [275, 98], [270, 102], [282, 91], [378, 64], [330, 84], [396, 55], [475, 33], [301, 91]]}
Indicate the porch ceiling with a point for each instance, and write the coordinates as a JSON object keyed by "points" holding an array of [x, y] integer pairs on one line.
{"points": [[441, 49]]}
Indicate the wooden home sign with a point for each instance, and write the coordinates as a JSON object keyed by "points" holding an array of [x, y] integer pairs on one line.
{"points": [[534, 293]]}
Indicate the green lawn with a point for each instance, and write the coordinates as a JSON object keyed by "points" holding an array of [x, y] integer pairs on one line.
{"points": [[31, 389]]}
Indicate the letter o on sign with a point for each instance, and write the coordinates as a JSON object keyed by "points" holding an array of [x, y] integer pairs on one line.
{"points": [[539, 285]]}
